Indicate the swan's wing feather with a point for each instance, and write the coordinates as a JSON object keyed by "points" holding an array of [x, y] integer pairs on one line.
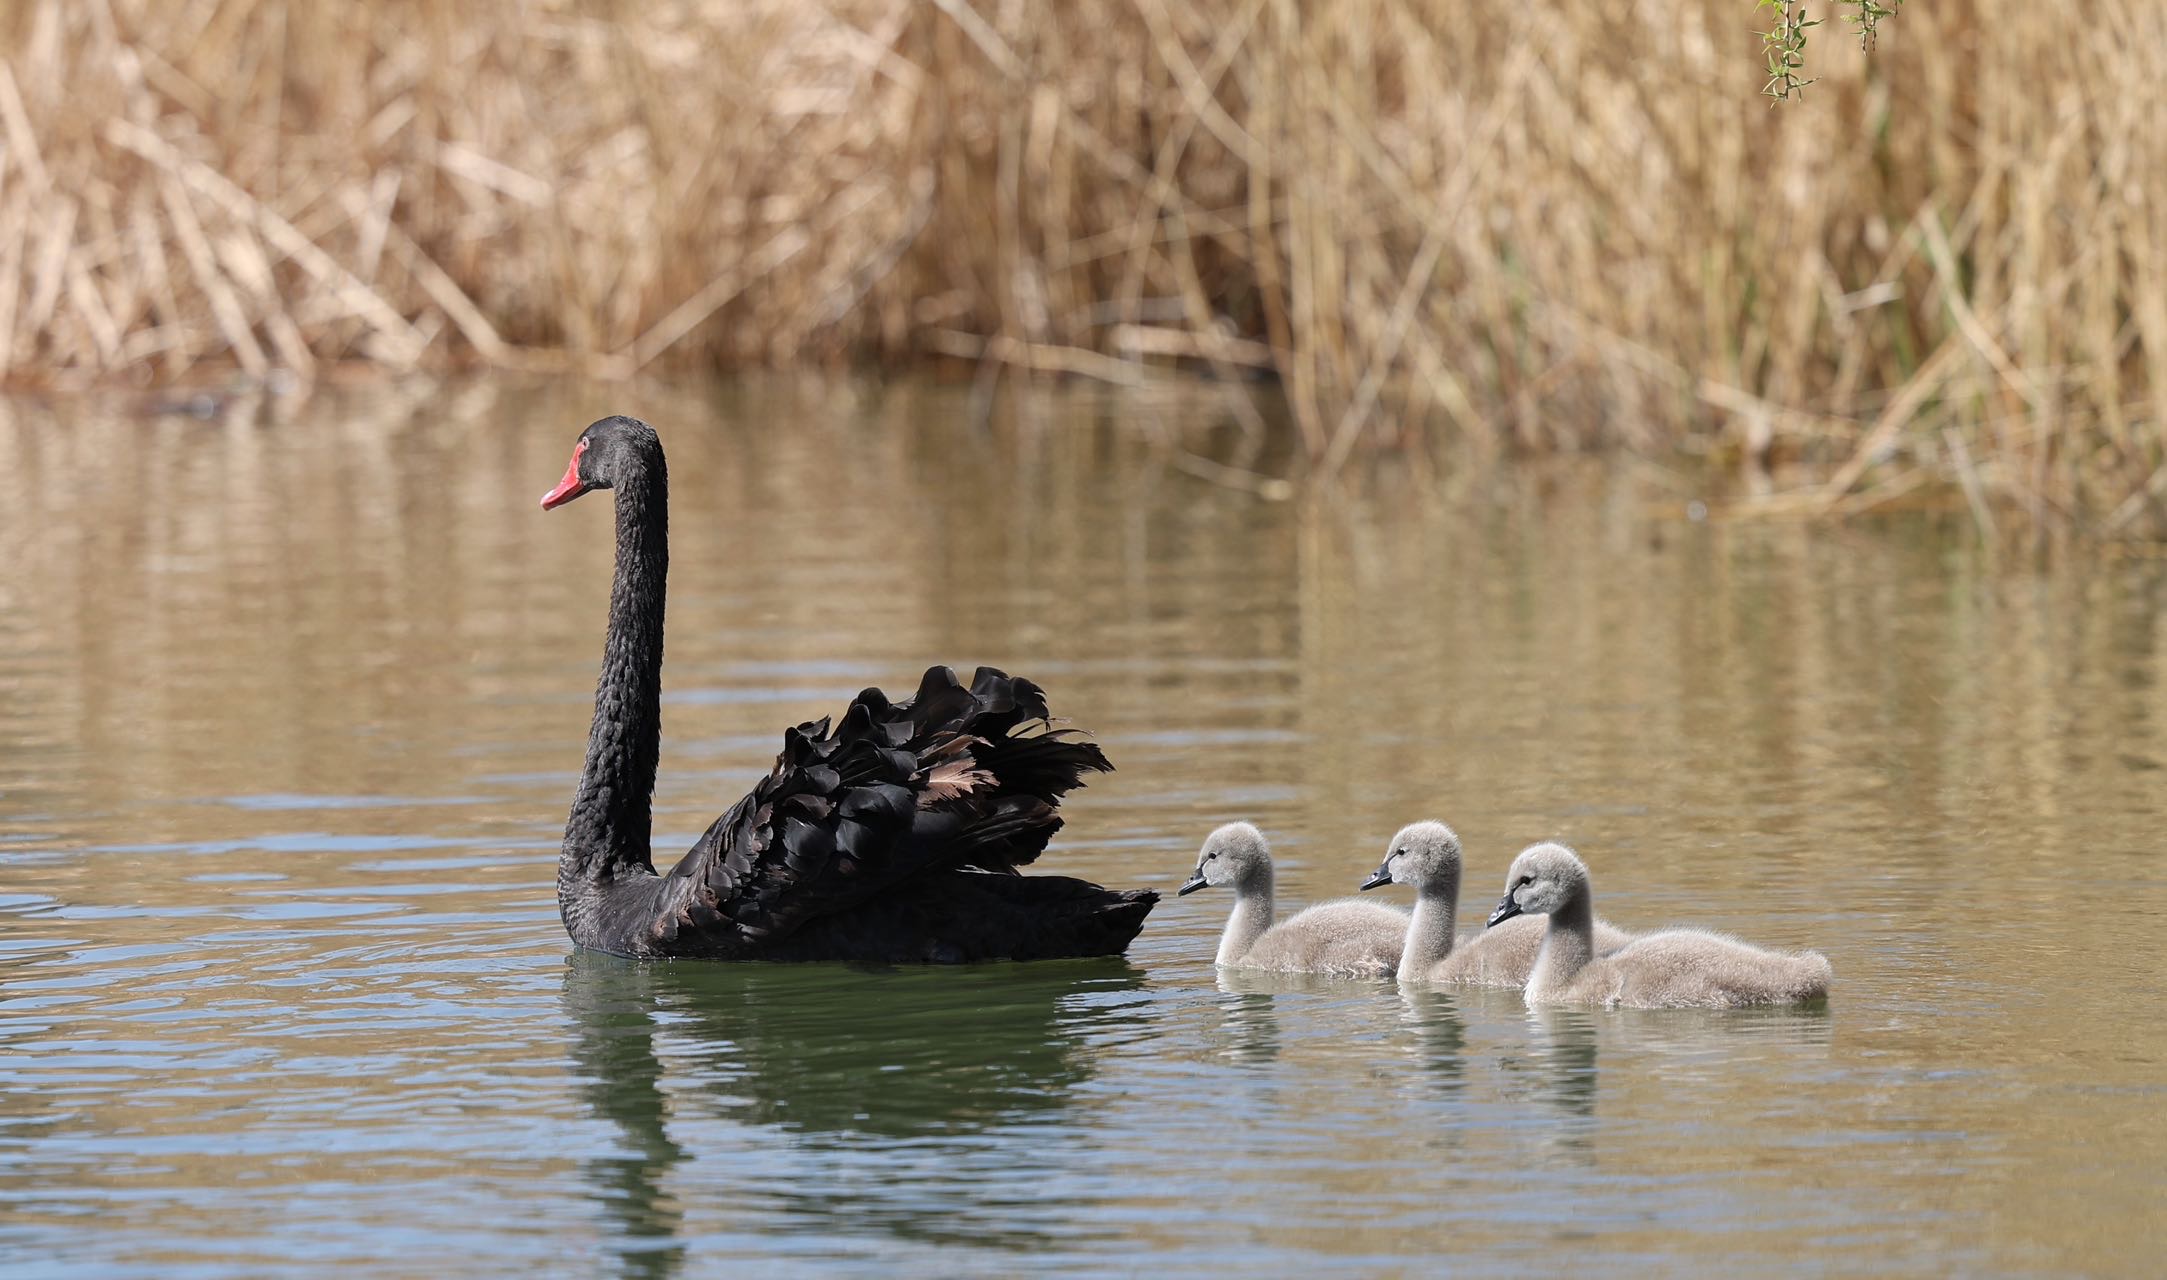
{"points": [[954, 777]]}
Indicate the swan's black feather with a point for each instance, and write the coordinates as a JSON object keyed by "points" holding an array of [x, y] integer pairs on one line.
{"points": [[955, 778], [955, 917]]}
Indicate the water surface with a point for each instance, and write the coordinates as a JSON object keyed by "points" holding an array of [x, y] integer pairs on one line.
{"points": [[292, 700]]}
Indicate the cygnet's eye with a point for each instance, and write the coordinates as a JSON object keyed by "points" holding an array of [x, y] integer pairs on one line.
{"points": [[1213, 856], [1523, 882]]}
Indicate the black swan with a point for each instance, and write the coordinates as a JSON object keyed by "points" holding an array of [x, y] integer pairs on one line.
{"points": [[892, 837]]}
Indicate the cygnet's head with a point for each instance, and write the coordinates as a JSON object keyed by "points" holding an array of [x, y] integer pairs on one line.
{"points": [[1235, 854], [1543, 878], [1422, 854]]}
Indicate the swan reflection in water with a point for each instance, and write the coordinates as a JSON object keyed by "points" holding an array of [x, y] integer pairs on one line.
{"points": [[1557, 1066], [1250, 1031], [913, 1104], [1431, 1016]]}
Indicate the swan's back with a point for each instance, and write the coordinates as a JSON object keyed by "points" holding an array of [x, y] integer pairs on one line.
{"points": [[1504, 956], [1699, 969], [1346, 936], [853, 815]]}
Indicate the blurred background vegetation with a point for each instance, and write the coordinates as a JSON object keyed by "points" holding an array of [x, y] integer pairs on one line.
{"points": [[1554, 225]]}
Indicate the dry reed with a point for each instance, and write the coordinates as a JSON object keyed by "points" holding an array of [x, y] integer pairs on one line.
{"points": [[1560, 225]]}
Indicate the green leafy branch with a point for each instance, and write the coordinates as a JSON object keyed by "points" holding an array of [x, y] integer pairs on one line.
{"points": [[1785, 44], [1866, 16]]}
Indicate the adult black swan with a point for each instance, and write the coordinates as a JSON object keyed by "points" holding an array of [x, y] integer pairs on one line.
{"points": [[891, 837]]}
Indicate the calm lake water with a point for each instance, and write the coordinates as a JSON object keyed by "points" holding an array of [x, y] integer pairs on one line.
{"points": [[291, 704]]}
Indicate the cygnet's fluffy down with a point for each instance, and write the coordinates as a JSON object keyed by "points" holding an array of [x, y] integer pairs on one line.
{"points": [[1672, 969], [1504, 956], [1346, 937], [1426, 855], [1694, 969]]}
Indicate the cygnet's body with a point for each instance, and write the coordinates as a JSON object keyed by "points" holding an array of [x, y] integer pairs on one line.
{"points": [[1672, 969], [1427, 856], [1347, 937]]}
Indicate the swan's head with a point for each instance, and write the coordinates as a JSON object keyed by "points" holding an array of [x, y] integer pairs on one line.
{"points": [[607, 452], [1235, 854], [1543, 879], [1422, 854]]}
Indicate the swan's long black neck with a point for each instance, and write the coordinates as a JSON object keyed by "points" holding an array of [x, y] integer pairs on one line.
{"points": [[610, 826]]}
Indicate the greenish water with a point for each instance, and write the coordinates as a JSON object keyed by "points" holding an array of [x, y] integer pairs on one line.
{"points": [[291, 705]]}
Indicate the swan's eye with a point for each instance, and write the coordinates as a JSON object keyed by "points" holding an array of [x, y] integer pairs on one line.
{"points": [[1213, 856], [1523, 882]]}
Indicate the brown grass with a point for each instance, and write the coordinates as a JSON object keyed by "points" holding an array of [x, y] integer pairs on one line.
{"points": [[1559, 225]]}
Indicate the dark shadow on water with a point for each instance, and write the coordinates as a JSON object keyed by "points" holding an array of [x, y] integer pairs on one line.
{"points": [[931, 1094]]}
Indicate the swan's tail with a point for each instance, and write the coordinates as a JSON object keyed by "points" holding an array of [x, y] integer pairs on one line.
{"points": [[1812, 976], [1784, 977], [987, 766], [1088, 921]]}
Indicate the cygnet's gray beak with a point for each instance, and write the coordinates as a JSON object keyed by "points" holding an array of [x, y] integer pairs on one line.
{"points": [[1379, 878], [1192, 884], [1506, 910]]}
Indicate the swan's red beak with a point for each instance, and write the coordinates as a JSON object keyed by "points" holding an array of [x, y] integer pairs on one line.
{"points": [[571, 486]]}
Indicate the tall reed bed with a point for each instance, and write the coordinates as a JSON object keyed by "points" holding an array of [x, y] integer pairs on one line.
{"points": [[1556, 225]]}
